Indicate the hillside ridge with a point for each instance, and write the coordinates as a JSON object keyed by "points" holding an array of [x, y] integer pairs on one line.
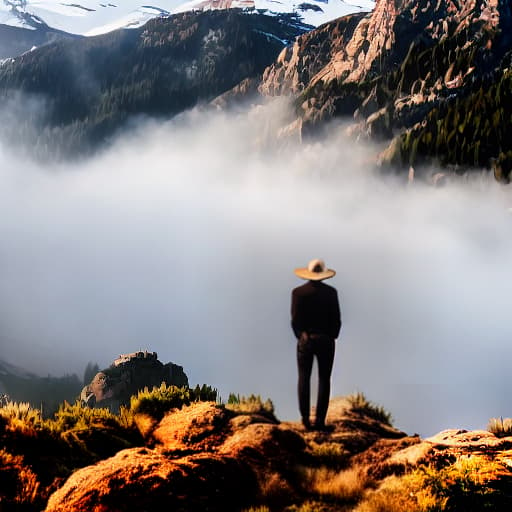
{"points": [[239, 456]]}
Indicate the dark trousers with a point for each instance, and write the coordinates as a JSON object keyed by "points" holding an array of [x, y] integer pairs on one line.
{"points": [[309, 346]]}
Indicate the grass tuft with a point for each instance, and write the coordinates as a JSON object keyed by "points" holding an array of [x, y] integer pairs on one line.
{"points": [[346, 486], [332, 455], [21, 412], [159, 400], [252, 404], [361, 405], [500, 427]]}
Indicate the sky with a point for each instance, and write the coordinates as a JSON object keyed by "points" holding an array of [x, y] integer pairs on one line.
{"points": [[182, 239]]}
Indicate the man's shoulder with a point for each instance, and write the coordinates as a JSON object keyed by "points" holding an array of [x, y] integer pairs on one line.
{"points": [[299, 290], [314, 287], [328, 287]]}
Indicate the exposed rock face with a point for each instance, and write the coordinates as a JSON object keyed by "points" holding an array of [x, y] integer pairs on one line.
{"points": [[379, 41], [127, 375], [393, 68], [299, 63]]}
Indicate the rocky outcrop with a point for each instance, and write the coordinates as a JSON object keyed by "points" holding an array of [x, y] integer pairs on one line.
{"points": [[203, 457], [128, 375], [143, 479], [206, 456], [298, 64], [392, 69]]}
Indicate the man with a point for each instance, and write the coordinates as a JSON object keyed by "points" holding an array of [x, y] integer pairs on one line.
{"points": [[316, 322]]}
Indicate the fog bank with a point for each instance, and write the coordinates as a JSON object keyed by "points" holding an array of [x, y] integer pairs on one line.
{"points": [[182, 239]]}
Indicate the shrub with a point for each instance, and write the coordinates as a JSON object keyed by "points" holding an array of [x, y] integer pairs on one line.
{"points": [[252, 404], [469, 485], [465, 485], [21, 412], [78, 416], [332, 455], [401, 494], [361, 405], [500, 427], [159, 400]]}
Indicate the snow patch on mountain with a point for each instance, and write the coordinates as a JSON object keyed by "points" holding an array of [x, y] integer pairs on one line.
{"points": [[133, 19], [311, 12], [94, 17], [13, 13]]}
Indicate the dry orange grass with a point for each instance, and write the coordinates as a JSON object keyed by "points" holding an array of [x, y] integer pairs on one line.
{"points": [[18, 483], [145, 424], [348, 485], [400, 494]]}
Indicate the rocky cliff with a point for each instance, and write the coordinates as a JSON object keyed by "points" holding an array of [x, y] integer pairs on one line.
{"points": [[126, 376], [407, 70]]}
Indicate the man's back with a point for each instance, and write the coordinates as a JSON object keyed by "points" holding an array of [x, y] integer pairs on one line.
{"points": [[315, 309]]}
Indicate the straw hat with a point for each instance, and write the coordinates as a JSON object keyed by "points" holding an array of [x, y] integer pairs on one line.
{"points": [[315, 271]]}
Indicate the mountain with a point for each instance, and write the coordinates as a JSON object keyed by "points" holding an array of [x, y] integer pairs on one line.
{"points": [[94, 17], [41, 392], [431, 77], [430, 80], [7, 369], [17, 40], [86, 88]]}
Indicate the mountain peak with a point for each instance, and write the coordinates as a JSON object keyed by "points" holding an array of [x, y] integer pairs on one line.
{"points": [[94, 17]]}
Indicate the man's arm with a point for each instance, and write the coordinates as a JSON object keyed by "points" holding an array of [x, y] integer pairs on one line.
{"points": [[336, 323], [296, 325]]}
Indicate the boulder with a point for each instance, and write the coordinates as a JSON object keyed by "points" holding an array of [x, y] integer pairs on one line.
{"points": [[147, 480]]}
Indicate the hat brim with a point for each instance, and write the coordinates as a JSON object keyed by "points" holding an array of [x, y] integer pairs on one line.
{"points": [[305, 273]]}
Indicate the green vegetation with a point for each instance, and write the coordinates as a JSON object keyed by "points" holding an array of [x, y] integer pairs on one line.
{"points": [[469, 131], [329, 454], [157, 401], [252, 404], [468, 485], [361, 405], [21, 412]]}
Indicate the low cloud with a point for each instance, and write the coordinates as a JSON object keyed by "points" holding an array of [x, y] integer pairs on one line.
{"points": [[182, 239]]}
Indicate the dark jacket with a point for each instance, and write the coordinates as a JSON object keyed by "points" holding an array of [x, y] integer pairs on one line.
{"points": [[315, 309]]}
